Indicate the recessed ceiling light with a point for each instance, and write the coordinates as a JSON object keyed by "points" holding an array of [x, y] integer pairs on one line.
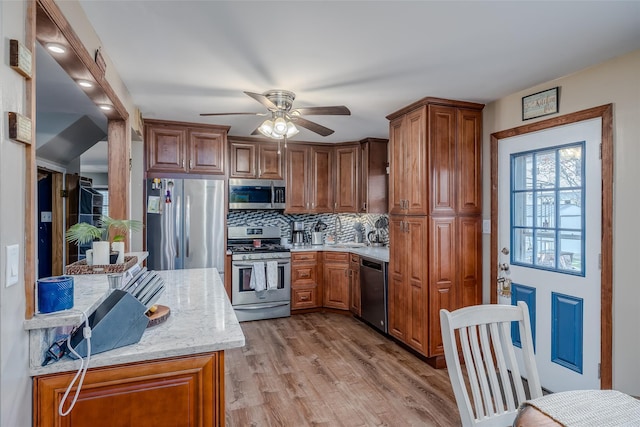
{"points": [[56, 48], [85, 83], [105, 107]]}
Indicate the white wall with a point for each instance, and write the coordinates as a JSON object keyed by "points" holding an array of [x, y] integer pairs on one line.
{"points": [[618, 82], [15, 385]]}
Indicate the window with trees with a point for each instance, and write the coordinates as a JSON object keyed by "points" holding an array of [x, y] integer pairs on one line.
{"points": [[547, 209]]}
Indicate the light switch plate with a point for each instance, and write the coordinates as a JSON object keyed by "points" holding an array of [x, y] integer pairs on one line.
{"points": [[486, 226], [12, 265], [45, 216]]}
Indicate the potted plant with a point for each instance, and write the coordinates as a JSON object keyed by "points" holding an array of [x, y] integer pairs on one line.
{"points": [[82, 233]]}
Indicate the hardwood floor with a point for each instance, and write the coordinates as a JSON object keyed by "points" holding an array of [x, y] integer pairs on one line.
{"points": [[326, 369]]}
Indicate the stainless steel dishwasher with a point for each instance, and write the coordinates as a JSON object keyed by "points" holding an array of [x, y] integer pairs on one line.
{"points": [[373, 288]]}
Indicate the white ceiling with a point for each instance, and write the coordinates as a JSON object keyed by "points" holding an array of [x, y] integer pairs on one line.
{"points": [[182, 58]]}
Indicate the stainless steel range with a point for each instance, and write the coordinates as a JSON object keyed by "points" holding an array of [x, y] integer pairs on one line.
{"points": [[268, 295]]}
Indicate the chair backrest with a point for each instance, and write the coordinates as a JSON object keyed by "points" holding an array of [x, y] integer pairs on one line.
{"points": [[493, 381]]}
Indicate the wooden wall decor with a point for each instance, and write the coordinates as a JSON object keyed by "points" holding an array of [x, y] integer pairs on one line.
{"points": [[20, 58], [20, 128]]}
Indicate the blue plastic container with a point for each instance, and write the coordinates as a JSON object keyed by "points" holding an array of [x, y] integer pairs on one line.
{"points": [[55, 294]]}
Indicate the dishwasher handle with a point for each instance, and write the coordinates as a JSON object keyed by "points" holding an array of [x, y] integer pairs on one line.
{"points": [[371, 264]]}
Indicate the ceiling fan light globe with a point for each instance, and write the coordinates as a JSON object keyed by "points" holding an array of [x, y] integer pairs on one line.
{"points": [[292, 130], [266, 128], [280, 126]]}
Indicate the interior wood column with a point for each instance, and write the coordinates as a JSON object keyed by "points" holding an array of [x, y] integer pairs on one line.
{"points": [[31, 171], [119, 145], [57, 230]]}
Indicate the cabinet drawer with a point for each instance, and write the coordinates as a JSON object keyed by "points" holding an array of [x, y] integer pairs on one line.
{"points": [[336, 257], [304, 256], [306, 297], [304, 275]]}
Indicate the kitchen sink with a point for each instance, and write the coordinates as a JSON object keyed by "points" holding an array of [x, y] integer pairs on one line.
{"points": [[349, 245]]}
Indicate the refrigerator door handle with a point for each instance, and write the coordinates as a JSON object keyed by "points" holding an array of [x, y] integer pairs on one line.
{"points": [[187, 225], [177, 227]]}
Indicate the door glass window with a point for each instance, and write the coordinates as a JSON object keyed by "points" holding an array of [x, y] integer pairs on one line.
{"points": [[547, 220]]}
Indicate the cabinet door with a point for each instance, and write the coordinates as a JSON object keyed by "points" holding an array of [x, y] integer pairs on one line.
{"points": [[297, 179], [397, 293], [354, 287], [469, 266], [166, 149], [442, 279], [416, 175], [417, 236], [374, 187], [269, 161], [185, 391], [336, 286], [321, 180], [469, 163], [442, 159], [347, 179], [242, 157], [206, 152], [397, 149]]}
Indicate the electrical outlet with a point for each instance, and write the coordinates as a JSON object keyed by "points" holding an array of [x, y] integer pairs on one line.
{"points": [[45, 216], [486, 226], [12, 265]]}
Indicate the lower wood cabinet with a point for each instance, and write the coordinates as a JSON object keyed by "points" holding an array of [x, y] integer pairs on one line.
{"points": [[184, 391], [336, 280], [305, 281], [354, 285]]}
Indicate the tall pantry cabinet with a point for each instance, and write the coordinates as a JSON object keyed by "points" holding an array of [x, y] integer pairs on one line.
{"points": [[435, 206]]}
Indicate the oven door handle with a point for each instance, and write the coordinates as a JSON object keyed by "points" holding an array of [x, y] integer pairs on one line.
{"points": [[260, 306], [251, 265]]}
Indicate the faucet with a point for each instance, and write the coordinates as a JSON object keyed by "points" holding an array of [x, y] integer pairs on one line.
{"points": [[337, 226]]}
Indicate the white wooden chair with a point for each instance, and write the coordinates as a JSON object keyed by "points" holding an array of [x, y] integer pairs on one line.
{"points": [[492, 373]]}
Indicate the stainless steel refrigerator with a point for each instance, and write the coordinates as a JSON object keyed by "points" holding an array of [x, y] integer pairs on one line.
{"points": [[185, 224]]}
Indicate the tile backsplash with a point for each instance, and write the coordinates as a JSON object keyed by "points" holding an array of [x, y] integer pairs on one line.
{"points": [[276, 218]]}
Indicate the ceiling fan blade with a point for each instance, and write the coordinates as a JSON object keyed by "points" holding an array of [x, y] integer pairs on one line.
{"points": [[233, 114], [337, 110], [256, 132], [263, 100], [312, 126]]}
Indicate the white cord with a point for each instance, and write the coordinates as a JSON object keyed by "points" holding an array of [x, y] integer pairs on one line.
{"points": [[86, 332]]}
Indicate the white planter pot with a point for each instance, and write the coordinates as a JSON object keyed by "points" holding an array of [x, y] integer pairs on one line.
{"points": [[100, 253], [118, 247]]}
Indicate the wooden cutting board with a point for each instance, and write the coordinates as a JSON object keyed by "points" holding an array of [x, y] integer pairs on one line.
{"points": [[159, 316]]}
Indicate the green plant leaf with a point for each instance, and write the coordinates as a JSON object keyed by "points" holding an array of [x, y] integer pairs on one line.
{"points": [[82, 233]]}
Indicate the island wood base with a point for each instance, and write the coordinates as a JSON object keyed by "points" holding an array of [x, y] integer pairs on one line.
{"points": [[181, 391]]}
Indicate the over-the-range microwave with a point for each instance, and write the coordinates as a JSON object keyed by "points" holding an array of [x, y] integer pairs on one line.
{"points": [[256, 194]]}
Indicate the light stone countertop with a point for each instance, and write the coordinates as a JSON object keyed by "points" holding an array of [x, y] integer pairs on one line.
{"points": [[378, 253], [202, 320]]}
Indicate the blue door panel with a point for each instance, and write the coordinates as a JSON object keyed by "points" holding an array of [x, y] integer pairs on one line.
{"points": [[567, 331], [528, 295]]}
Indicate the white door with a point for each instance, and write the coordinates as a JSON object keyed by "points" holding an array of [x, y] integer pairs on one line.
{"points": [[549, 211]]}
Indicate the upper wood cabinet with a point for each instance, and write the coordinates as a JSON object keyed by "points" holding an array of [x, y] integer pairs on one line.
{"points": [[347, 178], [255, 159], [374, 182], [309, 178], [180, 148], [408, 181], [436, 158]]}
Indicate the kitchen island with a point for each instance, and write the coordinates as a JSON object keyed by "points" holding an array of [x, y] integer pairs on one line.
{"points": [[173, 376]]}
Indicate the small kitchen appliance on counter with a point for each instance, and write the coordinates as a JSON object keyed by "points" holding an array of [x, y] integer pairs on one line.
{"points": [[297, 233]]}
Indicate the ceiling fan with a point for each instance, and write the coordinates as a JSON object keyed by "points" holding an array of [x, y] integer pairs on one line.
{"points": [[282, 119]]}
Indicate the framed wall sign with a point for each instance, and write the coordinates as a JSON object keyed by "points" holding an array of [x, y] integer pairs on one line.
{"points": [[540, 104]]}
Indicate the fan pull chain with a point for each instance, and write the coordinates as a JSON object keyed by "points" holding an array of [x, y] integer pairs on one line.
{"points": [[278, 147]]}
